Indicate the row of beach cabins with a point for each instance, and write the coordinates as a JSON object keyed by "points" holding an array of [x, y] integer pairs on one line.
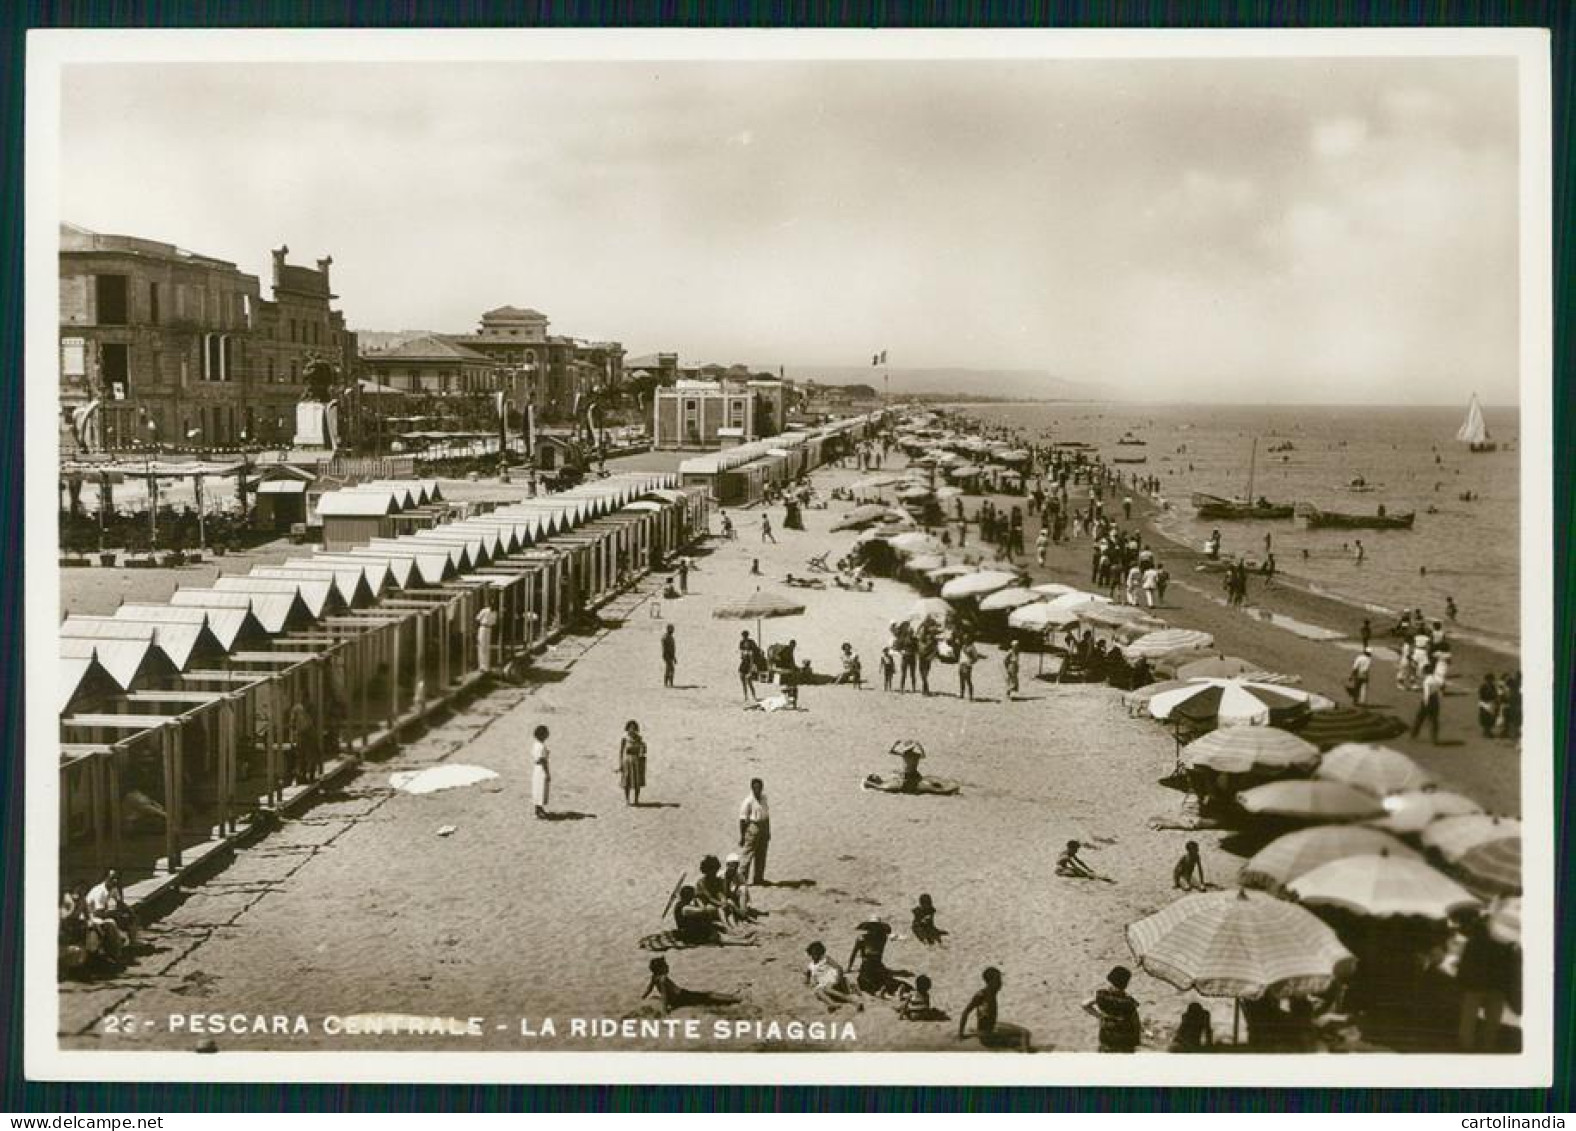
{"points": [[174, 717]]}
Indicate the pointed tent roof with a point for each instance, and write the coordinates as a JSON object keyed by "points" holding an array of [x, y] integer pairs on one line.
{"points": [[350, 584], [391, 572], [233, 628], [183, 643], [276, 612], [433, 565], [318, 595], [372, 575], [359, 503], [131, 663], [80, 676]]}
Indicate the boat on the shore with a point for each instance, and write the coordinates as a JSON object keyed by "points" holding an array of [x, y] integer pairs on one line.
{"points": [[1339, 520], [1129, 459], [1131, 440], [1474, 430], [1218, 508]]}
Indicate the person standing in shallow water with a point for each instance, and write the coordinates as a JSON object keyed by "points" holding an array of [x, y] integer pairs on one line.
{"points": [[541, 773]]}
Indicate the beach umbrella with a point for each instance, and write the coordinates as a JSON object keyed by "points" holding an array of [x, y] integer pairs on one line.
{"points": [[1504, 920], [1382, 886], [1376, 769], [1483, 850], [1414, 810], [1137, 701], [1055, 613], [1011, 455], [1166, 642], [1241, 750], [948, 492], [1057, 589], [929, 608], [1331, 727], [1011, 598], [1122, 621], [1308, 800], [915, 542], [964, 470], [759, 606], [876, 482], [977, 584], [1240, 944], [1287, 857], [914, 494], [1228, 667], [925, 562], [1230, 702], [861, 516], [945, 573]]}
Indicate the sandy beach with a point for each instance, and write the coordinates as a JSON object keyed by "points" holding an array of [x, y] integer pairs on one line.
{"points": [[515, 920]]}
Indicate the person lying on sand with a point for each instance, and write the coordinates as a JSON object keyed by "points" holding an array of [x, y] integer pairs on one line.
{"points": [[675, 996], [828, 980], [1069, 864], [804, 582]]}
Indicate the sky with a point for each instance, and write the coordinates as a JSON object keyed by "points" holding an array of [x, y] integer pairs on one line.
{"points": [[1315, 230]]}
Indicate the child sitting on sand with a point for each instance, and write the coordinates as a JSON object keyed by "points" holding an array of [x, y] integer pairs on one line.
{"points": [[675, 996], [827, 979], [916, 1006], [1069, 864], [924, 928], [1189, 868]]}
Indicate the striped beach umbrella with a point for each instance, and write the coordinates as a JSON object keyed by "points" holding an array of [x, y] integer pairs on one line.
{"points": [[1240, 944], [1382, 886], [977, 584], [1287, 857], [1309, 800], [1167, 642], [1228, 667], [1416, 809], [1232, 702], [1241, 750], [1376, 769], [1327, 728], [1485, 851], [1009, 598]]}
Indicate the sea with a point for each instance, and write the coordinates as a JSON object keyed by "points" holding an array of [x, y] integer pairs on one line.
{"points": [[1468, 550]]}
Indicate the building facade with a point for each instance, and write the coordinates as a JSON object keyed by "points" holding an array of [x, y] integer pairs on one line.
{"points": [[163, 348], [699, 415], [550, 373]]}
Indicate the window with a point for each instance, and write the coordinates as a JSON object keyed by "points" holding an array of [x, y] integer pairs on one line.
{"points": [[115, 369], [295, 376], [110, 297], [212, 357], [272, 376], [226, 357], [292, 329], [246, 310], [153, 303], [73, 357]]}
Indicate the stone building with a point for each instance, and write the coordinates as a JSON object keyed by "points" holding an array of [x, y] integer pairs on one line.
{"points": [[167, 348], [698, 414], [550, 372]]}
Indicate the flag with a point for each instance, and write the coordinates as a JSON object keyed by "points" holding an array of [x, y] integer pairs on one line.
{"points": [[883, 357], [875, 359]]}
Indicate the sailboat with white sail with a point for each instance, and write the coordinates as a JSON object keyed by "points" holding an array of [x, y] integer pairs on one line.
{"points": [[1474, 430]]}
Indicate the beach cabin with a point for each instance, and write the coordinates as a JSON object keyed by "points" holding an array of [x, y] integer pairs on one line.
{"points": [[353, 517]]}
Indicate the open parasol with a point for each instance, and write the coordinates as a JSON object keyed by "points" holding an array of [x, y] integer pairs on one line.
{"points": [[861, 517], [759, 606], [977, 584], [1231, 702], [1327, 728], [1287, 857], [1055, 613], [1241, 750], [1414, 810], [1057, 589], [946, 573], [1012, 597], [914, 543], [1239, 944], [929, 608], [1309, 800], [1485, 851], [1167, 642], [1382, 886], [1228, 667], [1375, 769], [1504, 920]]}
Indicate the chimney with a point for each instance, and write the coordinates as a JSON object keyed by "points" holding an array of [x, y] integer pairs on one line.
{"points": [[322, 266], [279, 263]]}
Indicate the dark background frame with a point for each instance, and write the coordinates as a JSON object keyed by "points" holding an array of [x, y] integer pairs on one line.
{"points": [[20, 1095]]}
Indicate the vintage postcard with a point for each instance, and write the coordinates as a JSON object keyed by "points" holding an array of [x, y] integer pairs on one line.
{"points": [[860, 557]]}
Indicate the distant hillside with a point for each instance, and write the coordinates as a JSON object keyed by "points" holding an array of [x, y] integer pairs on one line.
{"points": [[1007, 384]]}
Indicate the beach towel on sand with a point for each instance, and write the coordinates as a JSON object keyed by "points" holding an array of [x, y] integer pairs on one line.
{"points": [[672, 940], [893, 783]]}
